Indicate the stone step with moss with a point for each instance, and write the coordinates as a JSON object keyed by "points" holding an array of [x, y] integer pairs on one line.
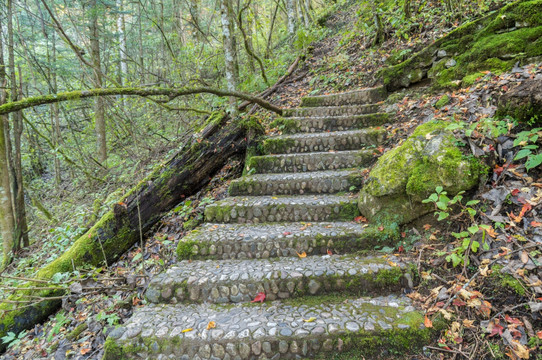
{"points": [[234, 281], [306, 162], [332, 110], [316, 182], [271, 240], [271, 330], [261, 209], [294, 125], [318, 142], [358, 97]]}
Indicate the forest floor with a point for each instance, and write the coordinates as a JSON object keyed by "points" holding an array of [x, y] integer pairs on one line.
{"points": [[492, 303]]}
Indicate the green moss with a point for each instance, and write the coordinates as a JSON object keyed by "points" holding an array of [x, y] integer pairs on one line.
{"points": [[214, 119], [191, 224], [469, 80], [507, 281], [443, 101], [185, 249], [277, 145], [287, 126], [112, 351]]}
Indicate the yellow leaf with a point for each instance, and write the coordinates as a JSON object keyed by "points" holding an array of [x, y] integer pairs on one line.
{"points": [[187, 330], [468, 323], [392, 263], [274, 198], [447, 315], [302, 255], [211, 325], [521, 351], [310, 319]]}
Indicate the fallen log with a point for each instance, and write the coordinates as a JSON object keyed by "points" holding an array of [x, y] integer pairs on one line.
{"points": [[139, 209]]}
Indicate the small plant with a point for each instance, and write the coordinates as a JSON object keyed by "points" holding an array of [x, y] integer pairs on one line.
{"points": [[468, 241], [111, 319], [12, 339], [527, 140]]}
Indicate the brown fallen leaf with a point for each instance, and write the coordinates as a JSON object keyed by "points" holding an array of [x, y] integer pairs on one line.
{"points": [[524, 257], [427, 322], [302, 255]]}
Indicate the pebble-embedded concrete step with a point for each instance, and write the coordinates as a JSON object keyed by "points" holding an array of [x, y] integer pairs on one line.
{"points": [[316, 161], [260, 209], [268, 331], [316, 182], [358, 97], [294, 125], [234, 281], [271, 240], [332, 111], [319, 142]]}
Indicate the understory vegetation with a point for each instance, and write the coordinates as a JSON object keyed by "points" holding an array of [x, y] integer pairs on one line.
{"points": [[68, 164]]}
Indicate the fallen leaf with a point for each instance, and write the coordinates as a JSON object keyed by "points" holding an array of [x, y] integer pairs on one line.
{"points": [[187, 330], [211, 325], [381, 228], [427, 226], [310, 320], [524, 257], [485, 308], [427, 322], [286, 233], [539, 334], [329, 252], [521, 351], [495, 328], [259, 298], [536, 224], [360, 219], [302, 255], [392, 263], [84, 351], [468, 323]]}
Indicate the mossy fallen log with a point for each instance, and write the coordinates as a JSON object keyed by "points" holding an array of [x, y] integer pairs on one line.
{"points": [[492, 43], [136, 212]]}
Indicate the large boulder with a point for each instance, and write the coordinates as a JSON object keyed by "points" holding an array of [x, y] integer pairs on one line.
{"points": [[408, 174], [524, 102]]}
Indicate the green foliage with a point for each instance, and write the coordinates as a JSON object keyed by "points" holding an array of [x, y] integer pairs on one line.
{"points": [[12, 339], [527, 140], [467, 239]]}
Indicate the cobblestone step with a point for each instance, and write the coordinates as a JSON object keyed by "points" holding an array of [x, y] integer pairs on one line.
{"points": [[358, 97], [306, 162], [332, 111], [318, 142], [294, 125], [271, 240], [374, 326], [234, 281], [316, 182], [261, 209]]}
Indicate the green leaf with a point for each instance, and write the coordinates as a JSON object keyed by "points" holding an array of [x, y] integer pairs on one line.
{"points": [[475, 246], [472, 202], [137, 257], [460, 235], [523, 154], [471, 212], [442, 205], [439, 189], [442, 215], [533, 162], [473, 229]]}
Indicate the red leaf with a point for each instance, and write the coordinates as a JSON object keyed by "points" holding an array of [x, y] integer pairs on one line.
{"points": [[515, 192], [512, 320], [286, 233], [360, 219], [403, 234], [539, 334], [401, 249], [536, 224], [495, 329], [329, 252], [459, 302], [259, 298]]}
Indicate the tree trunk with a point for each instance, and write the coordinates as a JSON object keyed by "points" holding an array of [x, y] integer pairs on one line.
{"points": [[229, 49], [7, 225], [99, 110], [21, 227], [291, 13], [122, 46], [119, 229]]}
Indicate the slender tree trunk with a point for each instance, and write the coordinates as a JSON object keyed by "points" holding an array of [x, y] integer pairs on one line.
{"points": [[21, 232], [291, 14], [121, 25], [229, 49], [7, 224], [55, 118], [271, 28], [99, 110]]}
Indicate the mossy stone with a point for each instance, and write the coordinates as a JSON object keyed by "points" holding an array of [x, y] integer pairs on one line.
{"points": [[408, 174]]}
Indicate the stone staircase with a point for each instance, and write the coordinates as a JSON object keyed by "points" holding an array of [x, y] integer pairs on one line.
{"points": [[287, 231]]}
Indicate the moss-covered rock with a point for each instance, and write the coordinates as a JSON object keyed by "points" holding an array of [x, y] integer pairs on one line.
{"points": [[523, 102], [408, 174], [493, 43]]}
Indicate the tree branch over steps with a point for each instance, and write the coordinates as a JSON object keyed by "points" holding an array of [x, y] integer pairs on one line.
{"points": [[169, 93], [118, 230]]}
